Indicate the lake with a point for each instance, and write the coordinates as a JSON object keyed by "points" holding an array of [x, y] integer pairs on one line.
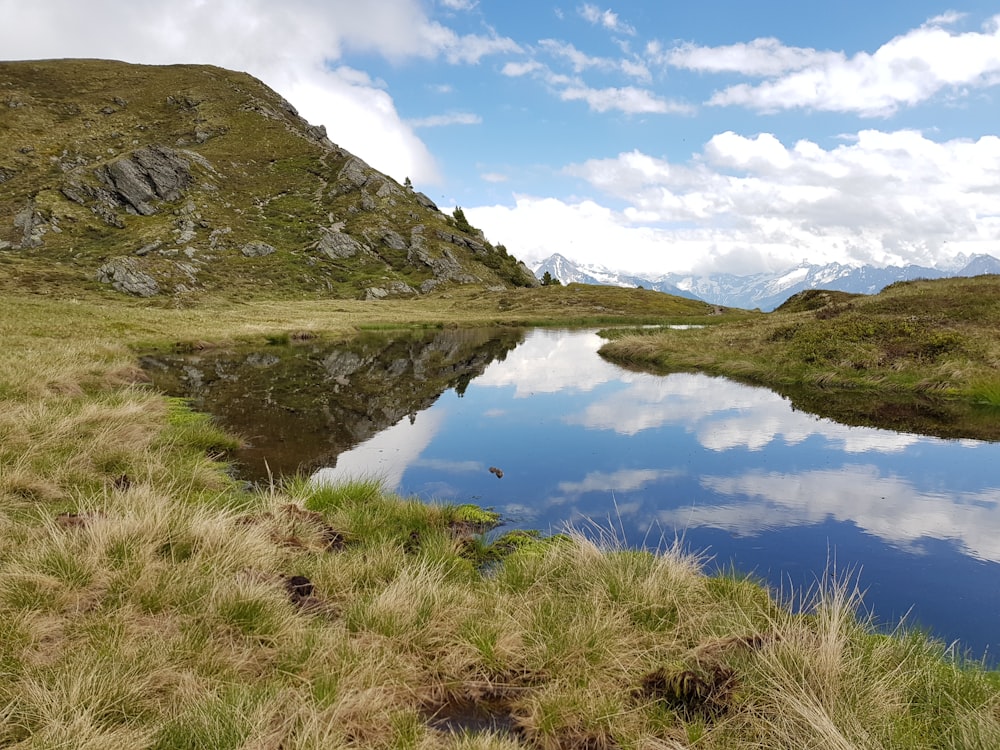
{"points": [[732, 471]]}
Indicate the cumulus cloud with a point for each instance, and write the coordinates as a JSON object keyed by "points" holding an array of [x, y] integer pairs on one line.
{"points": [[880, 197], [293, 47], [905, 71]]}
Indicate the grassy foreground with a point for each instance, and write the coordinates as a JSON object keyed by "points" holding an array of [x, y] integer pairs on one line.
{"points": [[921, 355], [148, 601]]}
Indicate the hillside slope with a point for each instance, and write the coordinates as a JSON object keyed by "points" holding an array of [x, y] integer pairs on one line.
{"points": [[175, 180]]}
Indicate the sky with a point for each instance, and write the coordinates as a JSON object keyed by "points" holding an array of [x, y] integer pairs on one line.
{"points": [[640, 135]]}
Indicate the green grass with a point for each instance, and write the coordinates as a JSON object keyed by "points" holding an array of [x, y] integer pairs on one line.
{"points": [[915, 348], [159, 612]]}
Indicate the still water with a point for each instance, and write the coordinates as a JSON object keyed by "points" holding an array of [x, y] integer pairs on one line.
{"points": [[733, 471]]}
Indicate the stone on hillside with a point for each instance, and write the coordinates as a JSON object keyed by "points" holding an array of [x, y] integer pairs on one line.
{"points": [[124, 274], [32, 225], [393, 240], [395, 288], [426, 202], [337, 245], [528, 277], [147, 249], [153, 172], [257, 249], [355, 172]]}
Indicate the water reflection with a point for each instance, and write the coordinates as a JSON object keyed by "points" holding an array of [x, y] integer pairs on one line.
{"points": [[299, 407], [733, 470]]}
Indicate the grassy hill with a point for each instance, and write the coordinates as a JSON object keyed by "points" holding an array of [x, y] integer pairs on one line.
{"points": [[920, 355], [181, 179]]}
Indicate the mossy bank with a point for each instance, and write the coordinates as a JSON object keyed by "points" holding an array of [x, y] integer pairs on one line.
{"points": [[920, 356]]}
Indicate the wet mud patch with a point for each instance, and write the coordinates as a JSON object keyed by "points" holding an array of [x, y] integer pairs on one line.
{"points": [[467, 716]]}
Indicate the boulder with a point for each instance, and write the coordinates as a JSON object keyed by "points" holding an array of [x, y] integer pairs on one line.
{"points": [[125, 275], [153, 172], [257, 249], [426, 202], [32, 225], [337, 245], [393, 240]]}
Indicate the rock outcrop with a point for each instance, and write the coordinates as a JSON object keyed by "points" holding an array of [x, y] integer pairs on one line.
{"points": [[149, 174]]}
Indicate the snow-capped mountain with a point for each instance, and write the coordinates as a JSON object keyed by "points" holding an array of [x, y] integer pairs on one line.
{"points": [[766, 290], [568, 272]]}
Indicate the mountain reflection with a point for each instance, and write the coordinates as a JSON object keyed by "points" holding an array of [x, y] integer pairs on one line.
{"points": [[300, 406]]}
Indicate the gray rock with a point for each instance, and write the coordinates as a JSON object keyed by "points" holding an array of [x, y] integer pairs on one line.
{"points": [[455, 239], [426, 202], [32, 225], [387, 189], [337, 245], [393, 240], [430, 285], [395, 288], [146, 249], [216, 238], [125, 275], [529, 278], [355, 172], [445, 268], [257, 249], [475, 247], [401, 287], [6, 174], [4, 245], [153, 172]]}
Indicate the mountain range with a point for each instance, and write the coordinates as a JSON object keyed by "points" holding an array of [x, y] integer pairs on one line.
{"points": [[765, 291]]}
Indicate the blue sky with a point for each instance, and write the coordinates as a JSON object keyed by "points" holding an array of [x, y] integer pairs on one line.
{"points": [[643, 136]]}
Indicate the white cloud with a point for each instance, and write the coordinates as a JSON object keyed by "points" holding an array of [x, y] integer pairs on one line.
{"points": [[606, 18], [905, 71], [624, 480], [627, 99], [291, 47], [579, 60], [517, 69], [882, 197], [886, 506], [387, 454], [549, 362], [493, 177], [452, 118], [761, 57], [460, 4]]}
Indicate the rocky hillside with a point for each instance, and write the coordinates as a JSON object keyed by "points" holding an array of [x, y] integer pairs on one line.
{"points": [[185, 179]]}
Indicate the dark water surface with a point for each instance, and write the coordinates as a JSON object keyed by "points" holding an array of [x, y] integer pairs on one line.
{"points": [[732, 470]]}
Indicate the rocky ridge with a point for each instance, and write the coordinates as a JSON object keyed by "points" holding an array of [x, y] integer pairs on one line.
{"points": [[176, 180]]}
